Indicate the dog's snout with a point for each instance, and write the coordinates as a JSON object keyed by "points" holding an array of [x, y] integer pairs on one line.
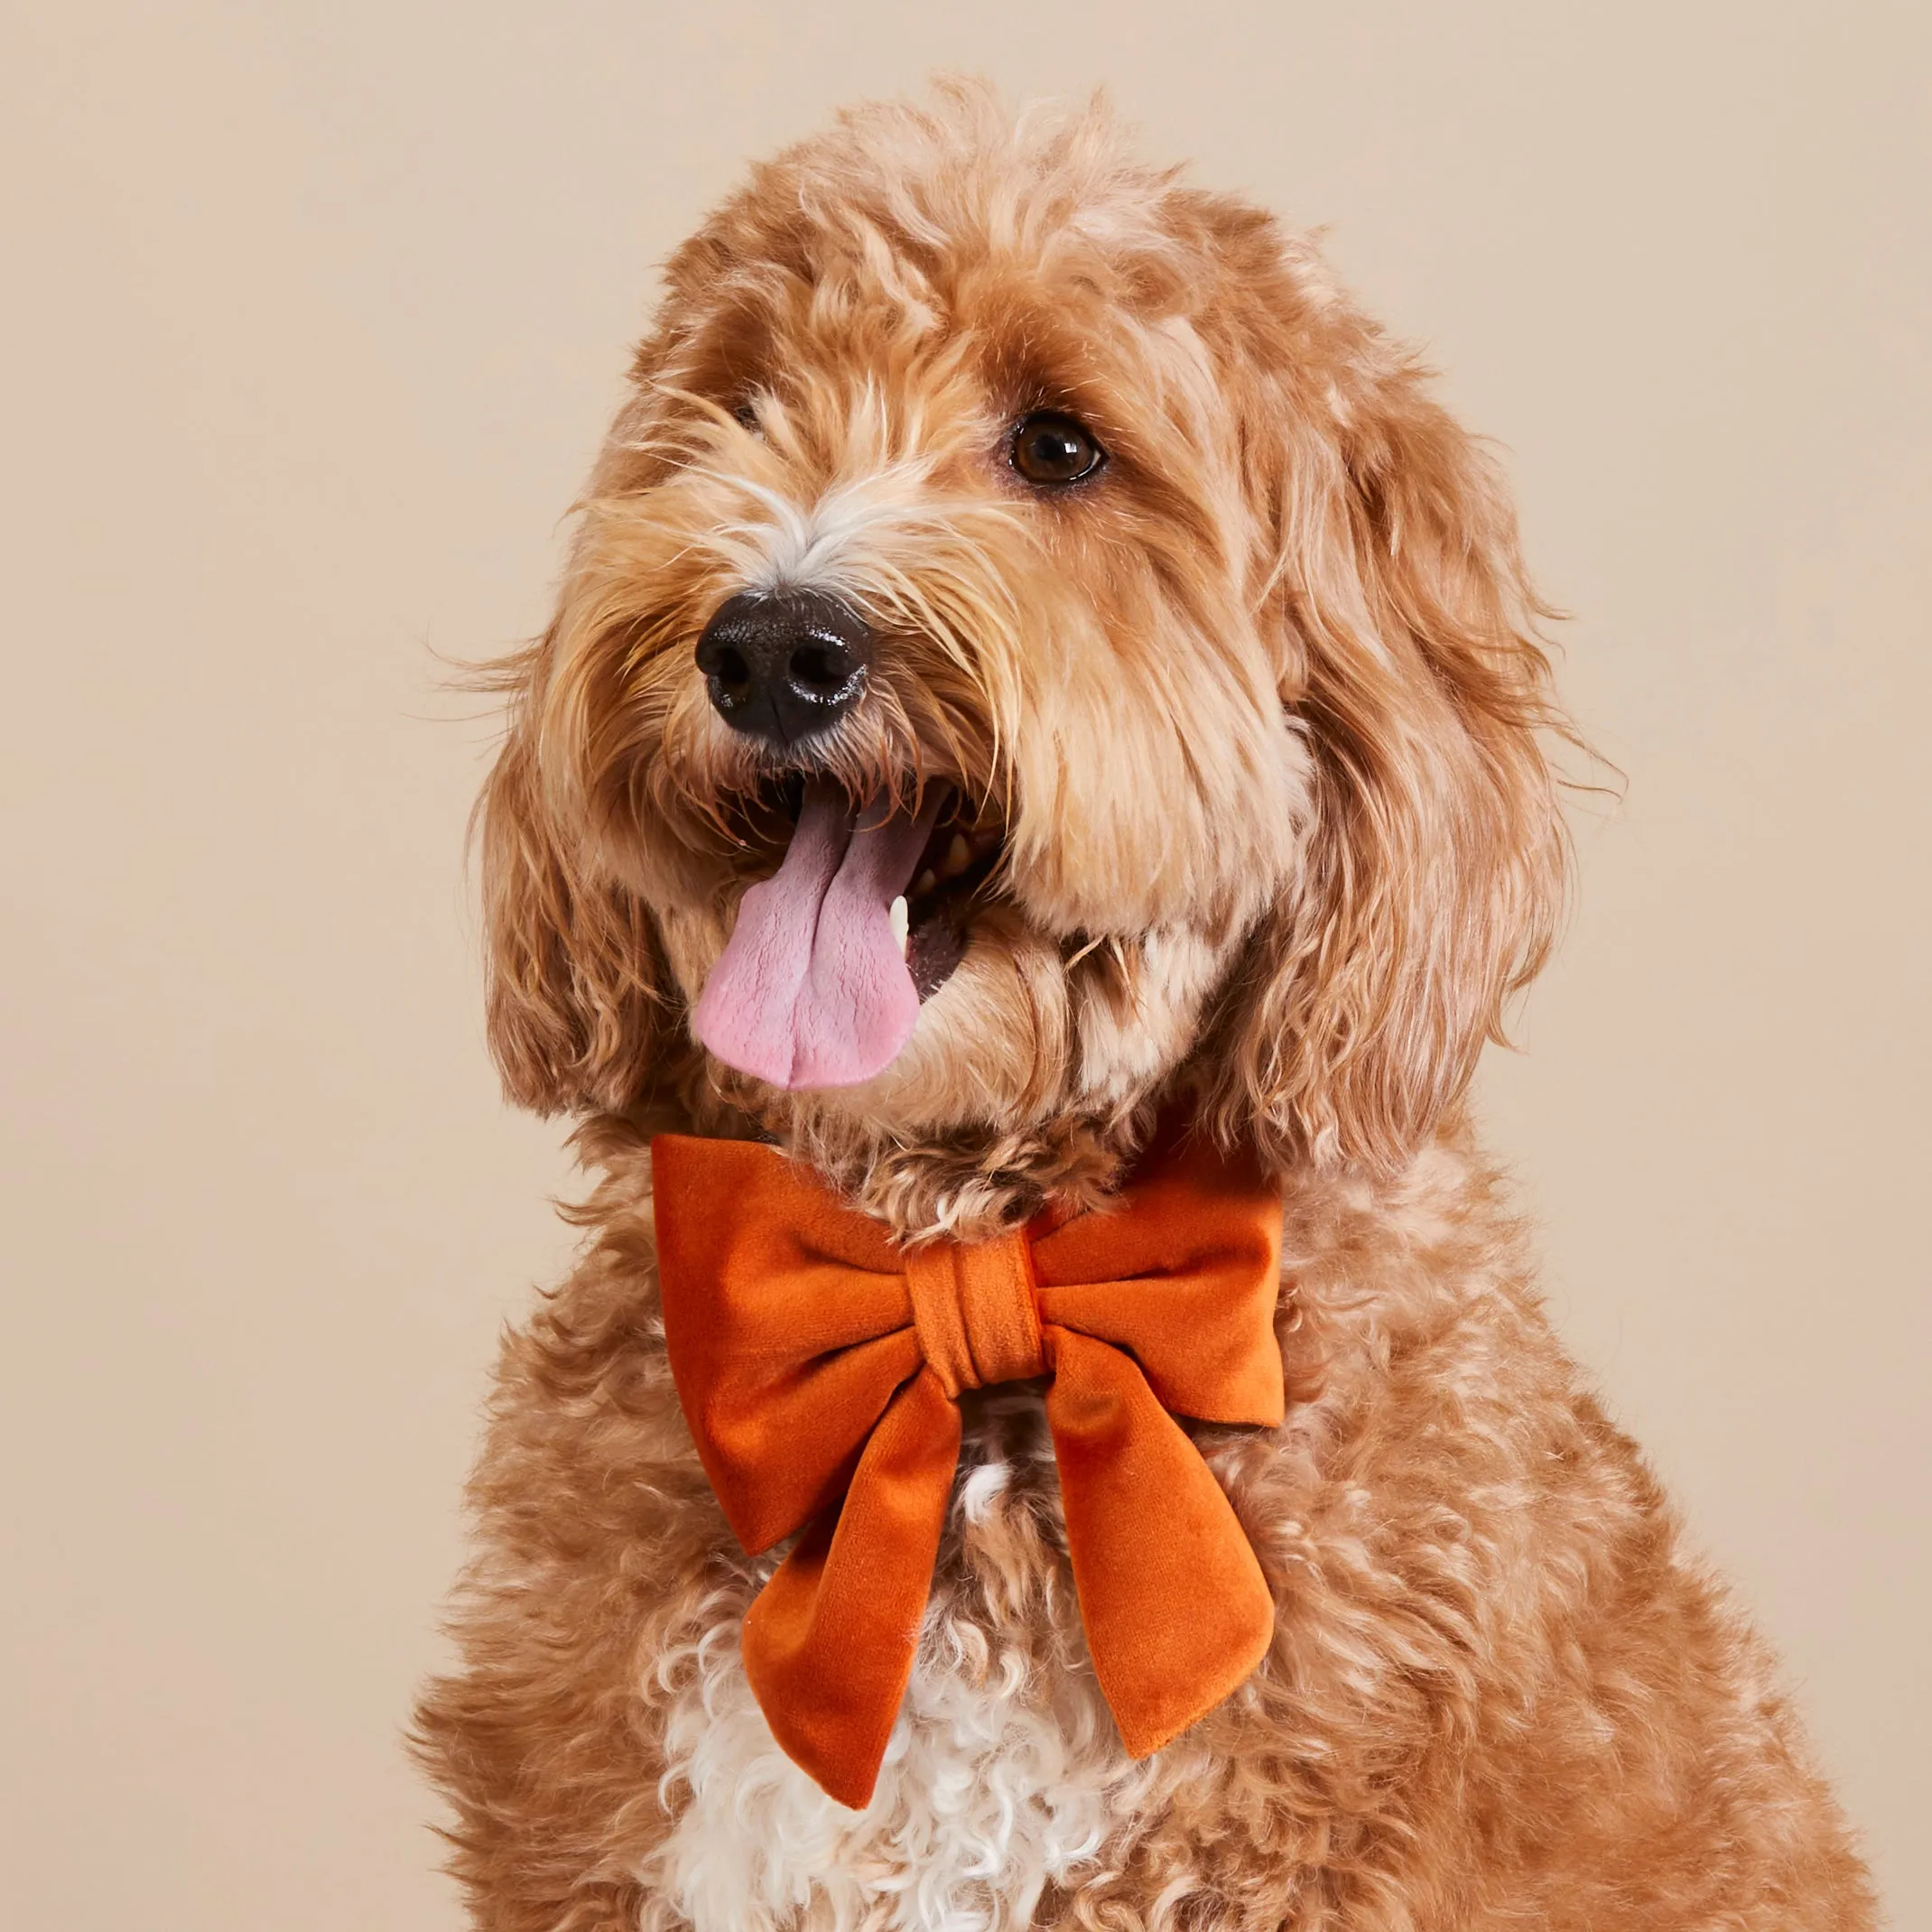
{"points": [[782, 665]]}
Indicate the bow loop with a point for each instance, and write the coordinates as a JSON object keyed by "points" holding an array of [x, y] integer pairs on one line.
{"points": [[820, 1366], [811, 1327], [1183, 1273]]}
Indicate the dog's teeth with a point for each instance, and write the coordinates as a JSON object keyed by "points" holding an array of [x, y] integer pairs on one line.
{"points": [[924, 884], [901, 923], [958, 856]]}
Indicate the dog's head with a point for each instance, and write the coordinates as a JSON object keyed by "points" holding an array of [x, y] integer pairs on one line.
{"points": [[1116, 668]]}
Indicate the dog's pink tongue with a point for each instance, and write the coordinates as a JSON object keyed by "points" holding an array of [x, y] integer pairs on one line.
{"points": [[811, 989]]}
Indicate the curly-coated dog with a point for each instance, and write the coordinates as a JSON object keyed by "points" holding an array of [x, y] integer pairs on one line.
{"points": [[1039, 678]]}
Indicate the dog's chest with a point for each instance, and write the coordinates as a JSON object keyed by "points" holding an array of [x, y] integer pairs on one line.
{"points": [[1005, 1775]]}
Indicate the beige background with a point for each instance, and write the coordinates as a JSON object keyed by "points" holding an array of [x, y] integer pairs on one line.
{"points": [[313, 314]]}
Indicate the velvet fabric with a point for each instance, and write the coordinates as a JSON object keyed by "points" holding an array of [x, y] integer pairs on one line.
{"points": [[820, 1366]]}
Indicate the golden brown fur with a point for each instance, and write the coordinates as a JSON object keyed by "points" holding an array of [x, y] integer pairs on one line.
{"points": [[1266, 722]]}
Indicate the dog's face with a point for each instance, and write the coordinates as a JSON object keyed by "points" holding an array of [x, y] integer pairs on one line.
{"points": [[1034, 581]]}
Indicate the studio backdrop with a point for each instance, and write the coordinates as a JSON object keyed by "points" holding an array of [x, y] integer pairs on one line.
{"points": [[314, 317]]}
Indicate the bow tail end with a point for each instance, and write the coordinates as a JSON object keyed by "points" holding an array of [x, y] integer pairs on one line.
{"points": [[1177, 1613], [1144, 1731], [829, 1644]]}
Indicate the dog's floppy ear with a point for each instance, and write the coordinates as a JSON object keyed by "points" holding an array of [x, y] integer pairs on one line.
{"points": [[576, 1012], [1435, 871]]}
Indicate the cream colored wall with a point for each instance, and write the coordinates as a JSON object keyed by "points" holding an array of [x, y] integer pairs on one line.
{"points": [[314, 314]]}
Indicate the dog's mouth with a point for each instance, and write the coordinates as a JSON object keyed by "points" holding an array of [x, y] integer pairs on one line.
{"points": [[869, 912]]}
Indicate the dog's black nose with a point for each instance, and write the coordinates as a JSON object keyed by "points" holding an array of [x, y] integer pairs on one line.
{"points": [[780, 664]]}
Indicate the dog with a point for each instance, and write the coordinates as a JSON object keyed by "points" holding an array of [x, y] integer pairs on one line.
{"points": [[1061, 539]]}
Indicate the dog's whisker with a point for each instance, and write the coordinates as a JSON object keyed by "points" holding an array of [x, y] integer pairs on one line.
{"points": [[1077, 957]]}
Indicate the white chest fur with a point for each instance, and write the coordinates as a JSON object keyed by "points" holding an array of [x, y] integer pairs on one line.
{"points": [[994, 1787]]}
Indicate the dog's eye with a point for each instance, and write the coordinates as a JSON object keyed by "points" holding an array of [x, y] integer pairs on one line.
{"points": [[1052, 449], [746, 415]]}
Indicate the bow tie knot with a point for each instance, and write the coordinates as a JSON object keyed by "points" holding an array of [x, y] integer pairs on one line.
{"points": [[974, 1309], [820, 1366]]}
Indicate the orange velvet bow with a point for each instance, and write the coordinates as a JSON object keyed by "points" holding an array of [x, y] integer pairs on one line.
{"points": [[820, 1368]]}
